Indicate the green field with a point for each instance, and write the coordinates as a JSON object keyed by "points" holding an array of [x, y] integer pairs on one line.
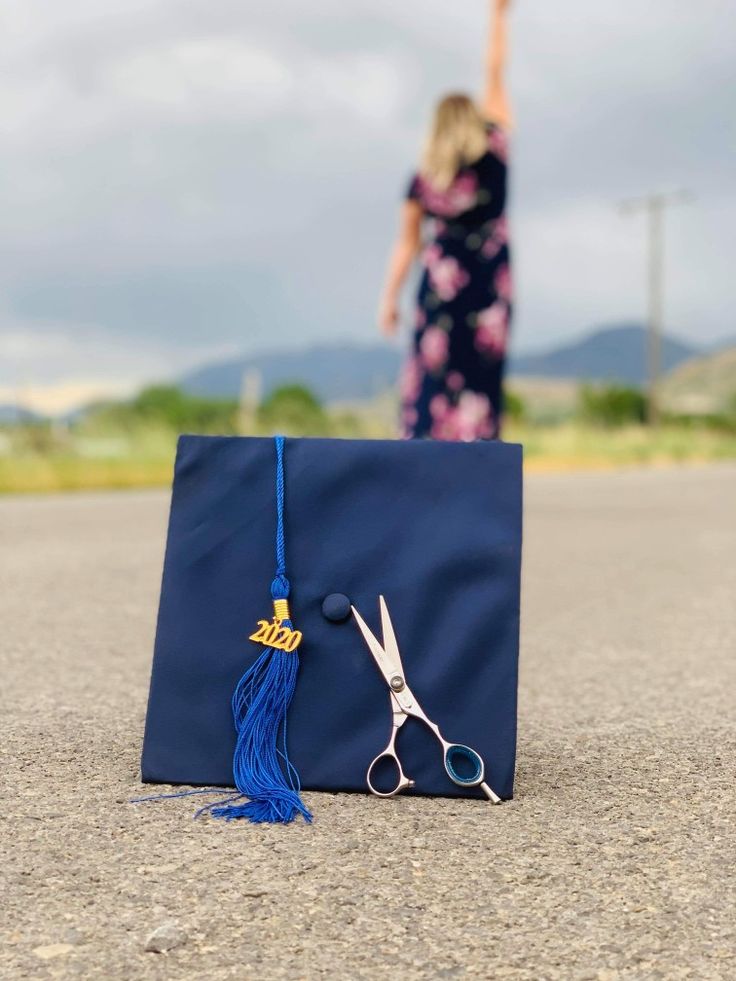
{"points": [[132, 444], [145, 458]]}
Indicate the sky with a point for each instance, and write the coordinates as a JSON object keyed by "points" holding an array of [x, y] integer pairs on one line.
{"points": [[183, 180]]}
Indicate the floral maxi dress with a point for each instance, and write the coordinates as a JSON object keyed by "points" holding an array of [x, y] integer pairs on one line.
{"points": [[451, 386]]}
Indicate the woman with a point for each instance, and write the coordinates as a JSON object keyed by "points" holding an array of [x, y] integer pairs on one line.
{"points": [[451, 384]]}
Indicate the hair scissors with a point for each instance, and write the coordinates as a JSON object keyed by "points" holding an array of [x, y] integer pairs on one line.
{"points": [[404, 705]]}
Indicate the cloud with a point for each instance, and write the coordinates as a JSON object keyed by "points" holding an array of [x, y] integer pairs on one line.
{"points": [[61, 350], [216, 74], [183, 176]]}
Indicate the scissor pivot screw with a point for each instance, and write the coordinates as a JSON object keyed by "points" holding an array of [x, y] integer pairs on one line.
{"points": [[397, 683]]}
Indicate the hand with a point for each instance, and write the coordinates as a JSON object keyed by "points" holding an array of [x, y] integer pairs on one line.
{"points": [[388, 316], [502, 5]]}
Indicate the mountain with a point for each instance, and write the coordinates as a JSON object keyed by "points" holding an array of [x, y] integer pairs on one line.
{"points": [[334, 372], [704, 384], [12, 414], [724, 344], [617, 353], [347, 372]]}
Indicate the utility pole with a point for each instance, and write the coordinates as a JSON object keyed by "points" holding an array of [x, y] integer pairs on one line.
{"points": [[250, 398], [654, 205]]}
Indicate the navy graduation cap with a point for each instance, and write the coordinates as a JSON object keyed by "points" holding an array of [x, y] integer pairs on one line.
{"points": [[263, 677]]}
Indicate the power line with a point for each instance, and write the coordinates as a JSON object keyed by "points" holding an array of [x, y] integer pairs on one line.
{"points": [[654, 205]]}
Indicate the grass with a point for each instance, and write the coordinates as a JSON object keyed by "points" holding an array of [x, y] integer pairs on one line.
{"points": [[145, 458], [61, 473], [574, 446], [64, 470], [42, 461]]}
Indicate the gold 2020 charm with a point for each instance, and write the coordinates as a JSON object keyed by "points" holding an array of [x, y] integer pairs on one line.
{"points": [[273, 634]]}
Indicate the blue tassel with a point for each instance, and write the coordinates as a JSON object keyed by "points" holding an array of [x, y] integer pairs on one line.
{"points": [[261, 767]]}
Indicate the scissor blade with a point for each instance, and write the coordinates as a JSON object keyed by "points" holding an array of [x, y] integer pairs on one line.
{"points": [[374, 647], [390, 643]]}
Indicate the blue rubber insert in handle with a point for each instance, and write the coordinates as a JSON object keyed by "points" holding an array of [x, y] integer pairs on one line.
{"points": [[456, 752]]}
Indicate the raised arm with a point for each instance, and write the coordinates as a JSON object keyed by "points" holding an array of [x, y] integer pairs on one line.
{"points": [[403, 254], [495, 104]]}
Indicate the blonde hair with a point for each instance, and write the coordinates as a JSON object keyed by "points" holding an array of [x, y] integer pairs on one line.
{"points": [[457, 137]]}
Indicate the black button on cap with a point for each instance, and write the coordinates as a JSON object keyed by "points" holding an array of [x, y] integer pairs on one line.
{"points": [[336, 607]]}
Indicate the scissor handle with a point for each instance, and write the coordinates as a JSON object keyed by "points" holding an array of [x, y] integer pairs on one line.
{"points": [[403, 781], [398, 718], [456, 752]]}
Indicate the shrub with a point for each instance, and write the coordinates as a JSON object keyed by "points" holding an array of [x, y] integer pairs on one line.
{"points": [[731, 406], [293, 409], [513, 406], [166, 407], [611, 405]]}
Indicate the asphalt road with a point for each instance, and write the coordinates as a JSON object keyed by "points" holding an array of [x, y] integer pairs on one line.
{"points": [[616, 860]]}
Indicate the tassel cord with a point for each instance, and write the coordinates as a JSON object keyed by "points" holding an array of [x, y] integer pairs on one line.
{"points": [[262, 770]]}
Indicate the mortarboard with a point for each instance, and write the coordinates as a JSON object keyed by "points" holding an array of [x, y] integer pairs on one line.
{"points": [[435, 527]]}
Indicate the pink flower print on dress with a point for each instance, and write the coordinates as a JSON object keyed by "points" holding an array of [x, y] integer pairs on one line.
{"points": [[490, 248], [497, 236], [455, 381], [491, 329], [502, 282], [439, 407], [409, 418], [446, 275], [411, 380], [434, 347], [464, 192], [470, 419], [501, 229], [475, 416], [498, 143], [460, 196]]}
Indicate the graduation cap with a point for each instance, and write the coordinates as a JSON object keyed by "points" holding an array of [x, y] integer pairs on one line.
{"points": [[261, 678]]}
